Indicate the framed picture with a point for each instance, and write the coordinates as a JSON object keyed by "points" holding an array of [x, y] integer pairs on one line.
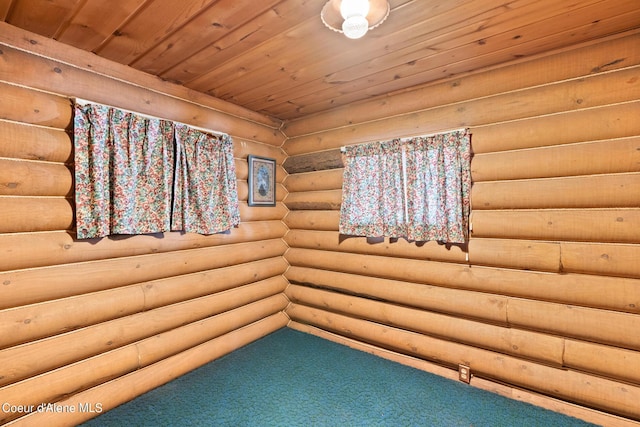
{"points": [[262, 181]]}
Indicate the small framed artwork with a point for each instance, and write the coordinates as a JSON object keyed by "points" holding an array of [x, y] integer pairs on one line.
{"points": [[262, 181]]}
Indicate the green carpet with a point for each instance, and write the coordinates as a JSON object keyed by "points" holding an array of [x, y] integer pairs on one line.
{"points": [[290, 378]]}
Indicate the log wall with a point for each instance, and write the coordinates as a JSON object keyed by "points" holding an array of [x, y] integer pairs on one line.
{"points": [[94, 323], [545, 296]]}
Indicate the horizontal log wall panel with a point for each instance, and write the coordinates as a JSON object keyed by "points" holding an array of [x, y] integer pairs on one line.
{"points": [[28, 142], [21, 287], [588, 324], [23, 214], [606, 122], [585, 158], [175, 289], [103, 369], [158, 347], [26, 360], [35, 321], [60, 383], [314, 200], [593, 225], [24, 105], [517, 254], [530, 345], [574, 386], [469, 304], [609, 55], [594, 124], [330, 241], [607, 361], [25, 68], [63, 381], [543, 348], [323, 160], [242, 148], [262, 213], [29, 178], [601, 259], [313, 220], [623, 294], [550, 318], [617, 190], [28, 250], [610, 361], [114, 392], [313, 181]]}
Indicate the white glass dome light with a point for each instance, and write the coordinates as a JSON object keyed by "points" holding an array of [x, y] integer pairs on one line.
{"points": [[355, 23], [355, 27], [349, 8], [354, 18]]}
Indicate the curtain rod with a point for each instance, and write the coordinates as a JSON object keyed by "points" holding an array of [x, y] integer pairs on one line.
{"points": [[80, 101], [408, 138]]}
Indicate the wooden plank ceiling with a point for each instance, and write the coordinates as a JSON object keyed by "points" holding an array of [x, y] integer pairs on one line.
{"points": [[276, 57]]}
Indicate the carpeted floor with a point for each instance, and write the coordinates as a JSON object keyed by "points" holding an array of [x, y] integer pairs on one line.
{"points": [[290, 378]]}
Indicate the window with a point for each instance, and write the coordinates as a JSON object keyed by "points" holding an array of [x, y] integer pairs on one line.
{"points": [[417, 188], [138, 175]]}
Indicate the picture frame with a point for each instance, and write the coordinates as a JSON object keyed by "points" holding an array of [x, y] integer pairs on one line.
{"points": [[262, 181]]}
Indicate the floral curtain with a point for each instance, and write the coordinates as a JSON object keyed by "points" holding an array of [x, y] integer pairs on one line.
{"points": [[121, 188], [373, 191], [206, 195], [439, 187], [137, 175], [418, 189]]}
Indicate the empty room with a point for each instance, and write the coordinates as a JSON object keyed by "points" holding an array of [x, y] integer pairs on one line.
{"points": [[448, 191]]}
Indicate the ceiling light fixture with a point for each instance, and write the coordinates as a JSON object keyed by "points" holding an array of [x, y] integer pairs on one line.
{"points": [[354, 18]]}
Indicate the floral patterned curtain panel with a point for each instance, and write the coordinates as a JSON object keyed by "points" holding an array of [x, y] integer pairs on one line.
{"points": [[418, 189], [206, 194], [138, 175], [121, 187], [373, 190]]}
